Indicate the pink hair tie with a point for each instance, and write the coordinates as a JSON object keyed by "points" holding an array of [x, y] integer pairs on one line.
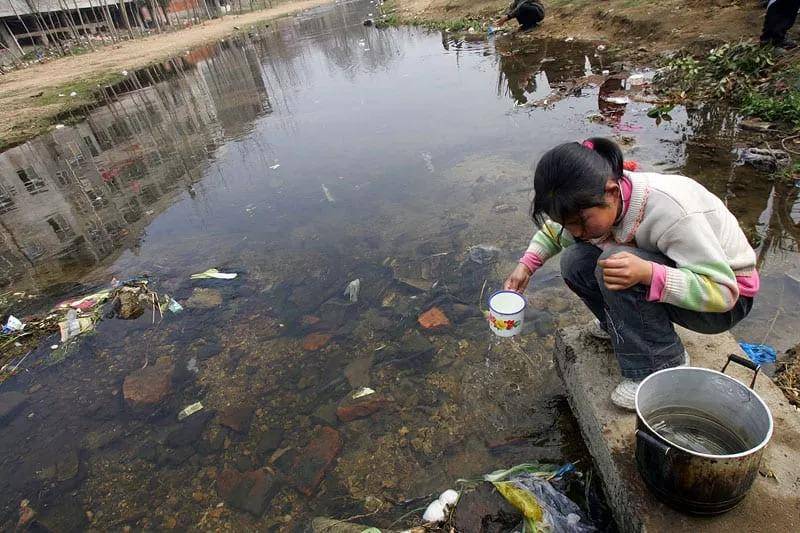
{"points": [[588, 144]]}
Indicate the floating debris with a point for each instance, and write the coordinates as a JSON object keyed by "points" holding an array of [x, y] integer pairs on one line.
{"points": [[13, 324], [276, 166], [351, 291], [328, 195], [213, 273], [190, 410], [363, 391]]}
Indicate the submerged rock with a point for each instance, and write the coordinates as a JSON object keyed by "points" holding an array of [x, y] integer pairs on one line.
{"points": [[189, 431], [144, 389], [484, 510], [352, 409], [268, 441], [203, 298], [434, 319], [249, 491], [316, 341], [312, 463], [11, 403], [237, 417]]}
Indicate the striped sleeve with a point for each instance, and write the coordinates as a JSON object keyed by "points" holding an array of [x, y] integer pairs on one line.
{"points": [[549, 240], [702, 279]]}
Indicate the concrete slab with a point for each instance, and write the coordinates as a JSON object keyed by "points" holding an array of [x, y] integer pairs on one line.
{"points": [[590, 372]]}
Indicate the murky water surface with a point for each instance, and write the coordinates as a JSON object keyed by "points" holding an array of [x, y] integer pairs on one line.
{"points": [[305, 156]]}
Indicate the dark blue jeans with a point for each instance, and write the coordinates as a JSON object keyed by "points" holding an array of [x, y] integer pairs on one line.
{"points": [[642, 332]]}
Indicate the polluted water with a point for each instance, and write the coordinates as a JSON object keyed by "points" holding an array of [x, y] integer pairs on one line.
{"points": [[316, 402]]}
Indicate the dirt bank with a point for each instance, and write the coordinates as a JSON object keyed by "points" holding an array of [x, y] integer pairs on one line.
{"points": [[29, 98], [655, 26]]}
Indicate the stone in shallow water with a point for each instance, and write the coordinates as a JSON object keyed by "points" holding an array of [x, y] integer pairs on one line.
{"points": [[236, 417], [144, 389], [316, 341], [434, 319], [484, 510], [249, 491], [365, 406], [268, 442], [189, 431], [312, 463], [11, 403], [203, 298]]}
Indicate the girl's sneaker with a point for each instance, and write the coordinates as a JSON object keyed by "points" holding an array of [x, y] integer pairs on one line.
{"points": [[595, 329], [624, 396]]}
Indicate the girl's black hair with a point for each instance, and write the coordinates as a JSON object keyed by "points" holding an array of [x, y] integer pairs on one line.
{"points": [[572, 177]]}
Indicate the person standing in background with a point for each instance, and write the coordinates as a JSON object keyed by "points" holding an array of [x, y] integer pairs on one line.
{"points": [[781, 16]]}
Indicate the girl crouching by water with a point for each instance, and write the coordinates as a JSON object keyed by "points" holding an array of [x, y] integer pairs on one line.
{"points": [[642, 250]]}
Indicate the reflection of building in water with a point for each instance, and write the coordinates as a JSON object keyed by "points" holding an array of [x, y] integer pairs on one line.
{"points": [[75, 196]]}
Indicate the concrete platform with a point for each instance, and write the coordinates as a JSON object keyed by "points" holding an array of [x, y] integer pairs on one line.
{"points": [[590, 372]]}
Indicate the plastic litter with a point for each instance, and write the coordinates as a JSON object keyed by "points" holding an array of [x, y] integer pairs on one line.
{"points": [[190, 410], [434, 513], [275, 166], [89, 301], [448, 498], [74, 325], [619, 100], [763, 159], [569, 39], [328, 195], [363, 391], [636, 80], [213, 273], [351, 291], [192, 367], [759, 353], [527, 487], [13, 324]]}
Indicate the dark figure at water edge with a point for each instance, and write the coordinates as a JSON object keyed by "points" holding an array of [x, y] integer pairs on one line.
{"points": [[781, 16], [642, 250], [529, 13]]}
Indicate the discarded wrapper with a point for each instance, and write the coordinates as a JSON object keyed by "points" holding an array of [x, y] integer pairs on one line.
{"points": [[363, 391], [190, 410], [213, 273]]}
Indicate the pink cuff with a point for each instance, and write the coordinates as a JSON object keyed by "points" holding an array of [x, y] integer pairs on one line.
{"points": [[749, 285], [658, 282], [532, 261]]}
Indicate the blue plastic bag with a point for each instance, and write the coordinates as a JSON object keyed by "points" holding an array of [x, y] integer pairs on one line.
{"points": [[759, 353]]}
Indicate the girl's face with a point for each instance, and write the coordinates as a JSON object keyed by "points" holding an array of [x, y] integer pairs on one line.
{"points": [[596, 222]]}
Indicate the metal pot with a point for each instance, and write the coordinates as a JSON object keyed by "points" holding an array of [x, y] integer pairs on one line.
{"points": [[700, 435]]}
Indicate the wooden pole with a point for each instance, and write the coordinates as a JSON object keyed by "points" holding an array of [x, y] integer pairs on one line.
{"points": [[124, 12], [83, 25], [13, 38]]}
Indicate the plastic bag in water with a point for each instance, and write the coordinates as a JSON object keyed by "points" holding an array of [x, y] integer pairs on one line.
{"points": [[543, 507]]}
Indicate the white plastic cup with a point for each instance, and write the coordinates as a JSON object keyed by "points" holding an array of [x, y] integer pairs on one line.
{"points": [[506, 313]]}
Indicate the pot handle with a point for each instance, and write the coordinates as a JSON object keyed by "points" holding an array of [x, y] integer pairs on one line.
{"points": [[652, 441], [755, 367]]}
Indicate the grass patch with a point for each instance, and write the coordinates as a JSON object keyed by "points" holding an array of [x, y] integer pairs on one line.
{"points": [[746, 74], [49, 108]]}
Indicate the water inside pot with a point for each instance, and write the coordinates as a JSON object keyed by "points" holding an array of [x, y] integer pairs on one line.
{"points": [[696, 431]]}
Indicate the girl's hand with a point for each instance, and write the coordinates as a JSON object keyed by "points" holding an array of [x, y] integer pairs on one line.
{"points": [[623, 270], [518, 280]]}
